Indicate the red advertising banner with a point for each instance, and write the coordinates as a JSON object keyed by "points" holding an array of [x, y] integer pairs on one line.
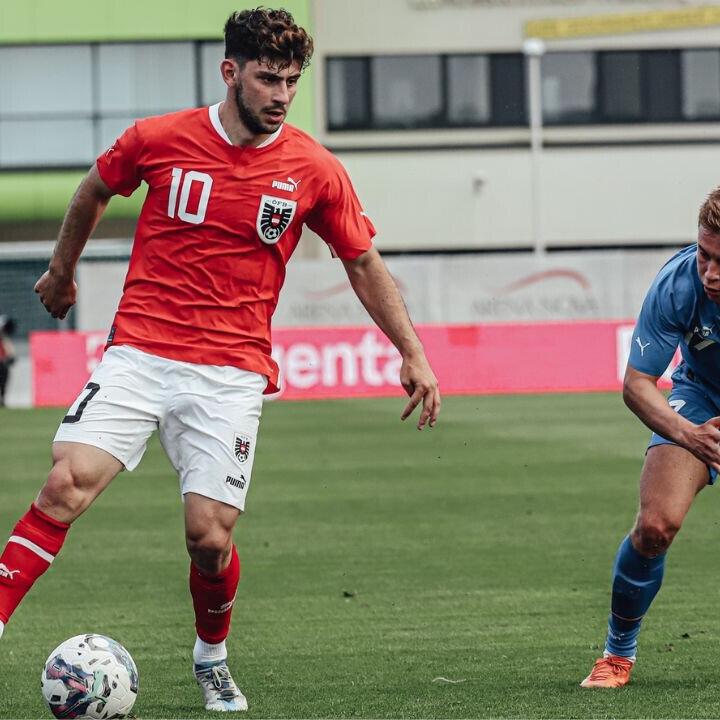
{"points": [[342, 362], [61, 364]]}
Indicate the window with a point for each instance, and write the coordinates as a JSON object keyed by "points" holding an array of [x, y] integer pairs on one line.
{"points": [[145, 78], [700, 81], [569, 86], [45, 80], [347, 93], [661, 79], [46, 142], [45, 105], [468, 89], [62, 105], [424, 91], [639, 86], [507, 73], [619, 96], [649, 86], [406, 91]]}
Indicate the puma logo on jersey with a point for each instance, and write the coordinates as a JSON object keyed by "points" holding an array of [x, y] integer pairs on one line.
{"points": [[289, 186], [641, 346], [6, 572]]}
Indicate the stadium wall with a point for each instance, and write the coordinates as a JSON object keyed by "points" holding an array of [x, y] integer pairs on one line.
{"points": [[500, 25], [632, 183], [482, 198]]}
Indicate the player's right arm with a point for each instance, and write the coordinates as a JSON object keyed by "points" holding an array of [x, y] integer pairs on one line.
{"points": [[56, 287], [641, 395]]}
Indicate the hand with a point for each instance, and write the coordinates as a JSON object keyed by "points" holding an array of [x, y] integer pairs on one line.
{"points": [[56, 293], [704, 442], [420, 383]]}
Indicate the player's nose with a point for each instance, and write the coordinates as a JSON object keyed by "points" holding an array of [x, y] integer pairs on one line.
{"points": [[282, 93], [712, 271]]}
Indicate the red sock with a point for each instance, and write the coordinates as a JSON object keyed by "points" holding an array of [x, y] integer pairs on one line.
{"points": [[33, 545], [213, 597]]}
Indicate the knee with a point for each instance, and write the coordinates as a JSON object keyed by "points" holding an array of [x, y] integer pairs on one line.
{"points": [[210, 550], [62, 496], [652, 535]]}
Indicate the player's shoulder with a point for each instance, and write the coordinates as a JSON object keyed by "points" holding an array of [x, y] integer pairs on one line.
{"points": [[678, 285], [311, 149], [161, 126], [300, 138], [680, 269]]}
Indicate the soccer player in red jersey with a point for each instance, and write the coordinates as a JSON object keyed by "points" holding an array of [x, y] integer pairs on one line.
{"points": [[229, 189]]}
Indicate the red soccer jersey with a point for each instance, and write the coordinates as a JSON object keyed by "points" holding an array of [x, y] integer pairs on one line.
{"points": [[217, 228]]}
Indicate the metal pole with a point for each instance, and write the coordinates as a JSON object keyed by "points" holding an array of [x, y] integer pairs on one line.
{"points": [[534, 49]]}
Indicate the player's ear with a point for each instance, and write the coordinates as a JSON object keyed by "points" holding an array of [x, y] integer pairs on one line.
{"points": [[229, 71]]}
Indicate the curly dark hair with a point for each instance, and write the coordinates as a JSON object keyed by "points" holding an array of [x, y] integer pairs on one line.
{"points": [[268, 35]]}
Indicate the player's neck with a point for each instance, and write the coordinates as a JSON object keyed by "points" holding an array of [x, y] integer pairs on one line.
{"points": [[235, 128]]}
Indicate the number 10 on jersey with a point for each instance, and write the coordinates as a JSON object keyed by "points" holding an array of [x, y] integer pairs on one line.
{"points": [[181, 208]]}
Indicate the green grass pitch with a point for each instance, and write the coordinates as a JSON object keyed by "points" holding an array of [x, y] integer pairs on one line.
{"points": [[376, 560]]}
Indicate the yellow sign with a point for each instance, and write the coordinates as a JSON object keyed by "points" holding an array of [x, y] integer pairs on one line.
{"points": [[622, 23]]}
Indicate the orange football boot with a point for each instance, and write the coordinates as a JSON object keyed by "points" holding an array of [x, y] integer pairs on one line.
{"points": [[610, 671]]}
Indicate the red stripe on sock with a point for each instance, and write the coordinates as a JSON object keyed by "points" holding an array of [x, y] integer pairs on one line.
{"points": [[213, 598], [20, 567]]}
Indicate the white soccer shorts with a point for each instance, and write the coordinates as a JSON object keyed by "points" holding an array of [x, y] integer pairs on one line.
{"points": [[207, 415]]}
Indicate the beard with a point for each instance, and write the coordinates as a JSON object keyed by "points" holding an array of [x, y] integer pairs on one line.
{"points": [[250, 119]]}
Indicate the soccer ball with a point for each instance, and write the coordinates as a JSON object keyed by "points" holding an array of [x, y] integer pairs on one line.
{"points": [[90, 676]]}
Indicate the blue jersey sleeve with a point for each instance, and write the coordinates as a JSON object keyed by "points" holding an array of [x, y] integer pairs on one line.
{"points": [[659, 329]]}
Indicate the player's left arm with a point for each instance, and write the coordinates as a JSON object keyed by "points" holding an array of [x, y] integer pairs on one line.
{"points": [[377, 291]]}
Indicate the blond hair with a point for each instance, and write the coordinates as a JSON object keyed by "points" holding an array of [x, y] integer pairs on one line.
{"points": [[709, 216]]}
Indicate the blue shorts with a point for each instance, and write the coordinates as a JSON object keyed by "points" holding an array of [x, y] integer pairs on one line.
{"points": [[695, 401]]}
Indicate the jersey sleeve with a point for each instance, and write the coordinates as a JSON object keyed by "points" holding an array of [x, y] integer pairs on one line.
{"points": [[119, 166], [659, 329], [338, 217]]}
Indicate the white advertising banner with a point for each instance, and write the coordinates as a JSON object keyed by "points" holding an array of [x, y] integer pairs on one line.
{"points": [[506, 287], [479, 288]]}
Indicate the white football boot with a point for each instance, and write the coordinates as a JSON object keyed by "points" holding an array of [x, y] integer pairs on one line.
{"points": [[219, 689]]}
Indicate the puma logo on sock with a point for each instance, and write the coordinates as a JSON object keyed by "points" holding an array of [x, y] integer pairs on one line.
{"points": [[6, 572]]}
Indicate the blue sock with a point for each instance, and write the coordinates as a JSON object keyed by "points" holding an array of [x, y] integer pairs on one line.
{"points": [[636, 580]]}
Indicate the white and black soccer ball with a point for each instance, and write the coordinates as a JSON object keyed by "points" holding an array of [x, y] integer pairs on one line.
{"points": [[90, 676]]}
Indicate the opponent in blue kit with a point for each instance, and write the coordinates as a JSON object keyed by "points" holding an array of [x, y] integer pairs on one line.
{"points": [[681, 309]]}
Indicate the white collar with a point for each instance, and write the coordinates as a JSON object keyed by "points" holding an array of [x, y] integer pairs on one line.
{"points": [[214, 111], [272, 138]]}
